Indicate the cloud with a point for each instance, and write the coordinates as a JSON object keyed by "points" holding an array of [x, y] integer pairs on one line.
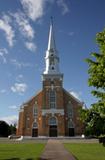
{"points": [[10, 119], [7, 28], [13, 107], [33, 8], [76, 95], [20, 64], [3, 52], [63, 6], [19, 77], [19, 88], [25, 29], [31, 46], [24, 25], [3, 91]]}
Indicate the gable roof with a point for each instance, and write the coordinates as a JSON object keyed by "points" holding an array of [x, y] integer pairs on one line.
{"points": [[25, 103], [76, 99]]}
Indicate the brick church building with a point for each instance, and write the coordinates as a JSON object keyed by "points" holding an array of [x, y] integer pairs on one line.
{"points": [[53, 111]]}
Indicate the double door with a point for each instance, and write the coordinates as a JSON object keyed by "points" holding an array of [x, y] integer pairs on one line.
{"points": [[35, 132], [53, 131]]}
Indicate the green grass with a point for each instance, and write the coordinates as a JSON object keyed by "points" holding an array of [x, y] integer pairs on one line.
{"points": [[86, 151], [20, 151]]}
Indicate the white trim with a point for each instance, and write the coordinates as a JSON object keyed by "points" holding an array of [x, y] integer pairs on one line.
{"points": [[53, 86], [52, 111], [52, 76]]}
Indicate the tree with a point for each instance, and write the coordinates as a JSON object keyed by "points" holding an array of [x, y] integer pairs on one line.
{"points": [[12, 129], [93, 121], [94, 117], [4, 129]]}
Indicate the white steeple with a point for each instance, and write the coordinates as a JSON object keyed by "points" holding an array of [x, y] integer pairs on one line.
{"points": [[51, 40], [51, 59]]}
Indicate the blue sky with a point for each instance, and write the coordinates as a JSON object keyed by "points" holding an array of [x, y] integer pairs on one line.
{"points": [[24, 27]]}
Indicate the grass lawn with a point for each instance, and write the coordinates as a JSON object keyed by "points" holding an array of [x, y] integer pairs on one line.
{"points": [[20, 151], [86, 151]]}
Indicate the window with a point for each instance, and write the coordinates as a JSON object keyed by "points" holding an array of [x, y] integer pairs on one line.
{"points": [[52, 82], [52, 68], [69, 110], [35, 109], [52, 121], [70, 124], [35, 125], [52, 61], [52, 99]]}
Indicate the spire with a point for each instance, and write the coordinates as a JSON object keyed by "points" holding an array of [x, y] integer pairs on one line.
{"points": [[51, 59], [51, 41]]}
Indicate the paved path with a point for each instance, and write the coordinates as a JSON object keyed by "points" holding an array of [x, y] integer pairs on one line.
{"points": [[54, 150]]}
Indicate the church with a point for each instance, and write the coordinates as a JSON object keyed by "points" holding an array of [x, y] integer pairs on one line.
{"points": [[53, 112]]}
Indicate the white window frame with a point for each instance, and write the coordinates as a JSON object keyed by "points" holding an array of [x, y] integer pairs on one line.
{"points": [[52, 100], [35, 109], [70, 110], [70, 123], [52, 121], [35, 125]]}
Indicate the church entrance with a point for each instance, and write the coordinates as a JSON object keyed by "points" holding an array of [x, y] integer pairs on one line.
{"points": [[71, 128], [52, 127], [35, 130], [53, 131], [71, 132]]}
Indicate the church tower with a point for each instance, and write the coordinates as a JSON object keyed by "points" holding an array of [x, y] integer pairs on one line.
{"points": [[52, 71], [52, 59], [52, 80], [53, 111]]}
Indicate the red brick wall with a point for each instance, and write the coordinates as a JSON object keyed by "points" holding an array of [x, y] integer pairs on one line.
{"points": [[42, 98]]}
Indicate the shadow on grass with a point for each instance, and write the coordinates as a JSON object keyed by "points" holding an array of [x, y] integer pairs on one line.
{"points": [[18, 159], [31, 159], [75, 157]]}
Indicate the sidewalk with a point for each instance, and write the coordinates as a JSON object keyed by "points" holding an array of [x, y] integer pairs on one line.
{"points": [[54, 150]]}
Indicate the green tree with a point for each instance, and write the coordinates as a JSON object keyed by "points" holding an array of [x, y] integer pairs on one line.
{"points": [[94, 122], [4, 129], [94, 117], [12, 129]]}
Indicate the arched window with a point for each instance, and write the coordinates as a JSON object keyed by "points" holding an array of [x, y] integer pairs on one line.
{"points": [[52, 99], [70, 124], [69, 110], [35, 109], [52, 121], [35, 125]]}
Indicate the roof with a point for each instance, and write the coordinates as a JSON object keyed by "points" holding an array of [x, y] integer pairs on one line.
{"points": [[76, 99], [32, 97]]}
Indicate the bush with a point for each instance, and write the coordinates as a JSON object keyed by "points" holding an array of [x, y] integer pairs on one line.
{"points": [[102, 139]]}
